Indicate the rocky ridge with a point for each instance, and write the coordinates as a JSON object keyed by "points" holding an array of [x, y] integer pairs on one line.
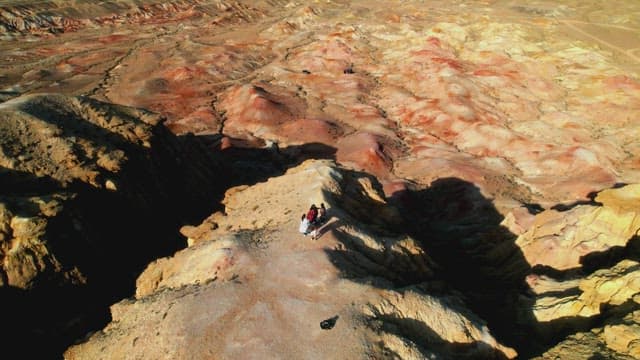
{"points": [[278, 286]]}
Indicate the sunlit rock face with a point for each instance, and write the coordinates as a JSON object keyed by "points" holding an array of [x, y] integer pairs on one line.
{"points": [[62, 155], [562, 240], [605, 290], [602, 289], [616, 340], [53, 148]]}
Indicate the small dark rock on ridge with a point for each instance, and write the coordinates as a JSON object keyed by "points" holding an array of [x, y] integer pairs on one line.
{"points": [[329, 323]]}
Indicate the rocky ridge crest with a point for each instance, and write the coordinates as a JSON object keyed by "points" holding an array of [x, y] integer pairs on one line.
{"points": [[277, 285]]}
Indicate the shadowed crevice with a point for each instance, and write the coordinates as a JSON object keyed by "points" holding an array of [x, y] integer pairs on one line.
{"points": [[605, 259]]}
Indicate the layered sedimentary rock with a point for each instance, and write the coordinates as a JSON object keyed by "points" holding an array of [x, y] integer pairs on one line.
{"points": [[584, 276], [603, 289], [28, 259], [49, 143]]}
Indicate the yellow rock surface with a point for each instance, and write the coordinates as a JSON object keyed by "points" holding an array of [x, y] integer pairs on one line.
{"points": [[561, 239]]}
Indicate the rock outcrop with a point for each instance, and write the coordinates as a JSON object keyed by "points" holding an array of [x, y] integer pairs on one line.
{"points": [[601, 290], [252, 286], [585, 276], [618, 339], [565, 239]]}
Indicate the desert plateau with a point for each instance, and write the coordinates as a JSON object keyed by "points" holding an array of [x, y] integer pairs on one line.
{"points": [[479, 162]]}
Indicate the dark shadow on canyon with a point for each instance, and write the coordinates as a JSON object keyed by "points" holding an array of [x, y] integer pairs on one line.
{"points": [[429, 341], [591, 201], [475, 257], [111, 236], [460, 229], [605, 259], [332, 224], [533, 209]]}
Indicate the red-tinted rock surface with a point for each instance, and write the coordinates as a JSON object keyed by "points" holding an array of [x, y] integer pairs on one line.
{"points": [[532, 103]]}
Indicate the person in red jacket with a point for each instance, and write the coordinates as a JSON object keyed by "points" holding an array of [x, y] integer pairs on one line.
{"points": [[312, 217], [312, 214]]}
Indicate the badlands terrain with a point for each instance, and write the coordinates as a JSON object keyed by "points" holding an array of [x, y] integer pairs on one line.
{"points": [[479, 159]]}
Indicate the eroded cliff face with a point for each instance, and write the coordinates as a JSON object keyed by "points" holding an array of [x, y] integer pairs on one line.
{"points": [[501, 138], [91, 192]]}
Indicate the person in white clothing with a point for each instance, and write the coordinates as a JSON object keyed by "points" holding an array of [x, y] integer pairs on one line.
{"points": [[304, 225]]}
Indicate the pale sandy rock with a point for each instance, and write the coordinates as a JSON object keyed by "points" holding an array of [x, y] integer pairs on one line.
{"points": [[582, 346], [624, 337], [541, 284], [285, 199], [610, 287], [86, 202], [621, 202], [246, 319], [398, 346], [440, 322], [395, 258], [561, 239], [350, 200], [613, 286], [218, 260], [518, 220], [196, 234], [55, 135], [27, 254], [281, 200]]}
